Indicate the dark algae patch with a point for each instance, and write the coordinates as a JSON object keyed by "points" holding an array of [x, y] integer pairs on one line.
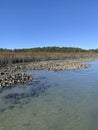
{"points": [[18, 96]]}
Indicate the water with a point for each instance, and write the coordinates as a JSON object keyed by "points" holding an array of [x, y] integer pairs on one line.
{"points": [[68, 101]]}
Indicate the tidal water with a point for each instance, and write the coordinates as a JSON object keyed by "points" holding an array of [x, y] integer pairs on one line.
{"points": [[64, 100]]}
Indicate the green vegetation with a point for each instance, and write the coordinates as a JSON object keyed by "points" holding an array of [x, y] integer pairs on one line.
{"points": [[46, 49], [50, 49]]}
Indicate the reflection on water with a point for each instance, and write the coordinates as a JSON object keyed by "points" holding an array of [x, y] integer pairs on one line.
{"points": [[67, 100]]}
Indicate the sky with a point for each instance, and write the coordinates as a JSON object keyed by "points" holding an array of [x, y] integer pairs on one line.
{"points": [[42, 23]]}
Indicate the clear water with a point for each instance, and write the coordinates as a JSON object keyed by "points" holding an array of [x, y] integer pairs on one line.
{"points": [[68, 101]]}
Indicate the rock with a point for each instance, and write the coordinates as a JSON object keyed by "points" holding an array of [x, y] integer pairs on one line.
{"points": [[2, 73], [14, 79]]}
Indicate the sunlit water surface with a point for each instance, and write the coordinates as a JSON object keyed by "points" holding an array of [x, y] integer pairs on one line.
{"points": [[68, 101]]}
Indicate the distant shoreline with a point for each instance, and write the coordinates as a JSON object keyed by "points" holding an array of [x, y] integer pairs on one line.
{"points": [[41, 61], [51, 65]]}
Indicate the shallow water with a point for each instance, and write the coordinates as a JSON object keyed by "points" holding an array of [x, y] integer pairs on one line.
{"points": [[67, 100]]}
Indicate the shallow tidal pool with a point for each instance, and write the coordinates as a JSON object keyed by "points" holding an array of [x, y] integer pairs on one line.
{"points": [[64, 100]]}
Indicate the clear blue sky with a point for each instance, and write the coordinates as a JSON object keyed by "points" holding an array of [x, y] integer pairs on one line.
{"points": [[38, 23]]}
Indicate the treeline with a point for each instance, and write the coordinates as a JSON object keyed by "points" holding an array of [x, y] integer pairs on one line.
{"points": [[9, 56], [94, 50], [50, 49], [47, 49]]}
